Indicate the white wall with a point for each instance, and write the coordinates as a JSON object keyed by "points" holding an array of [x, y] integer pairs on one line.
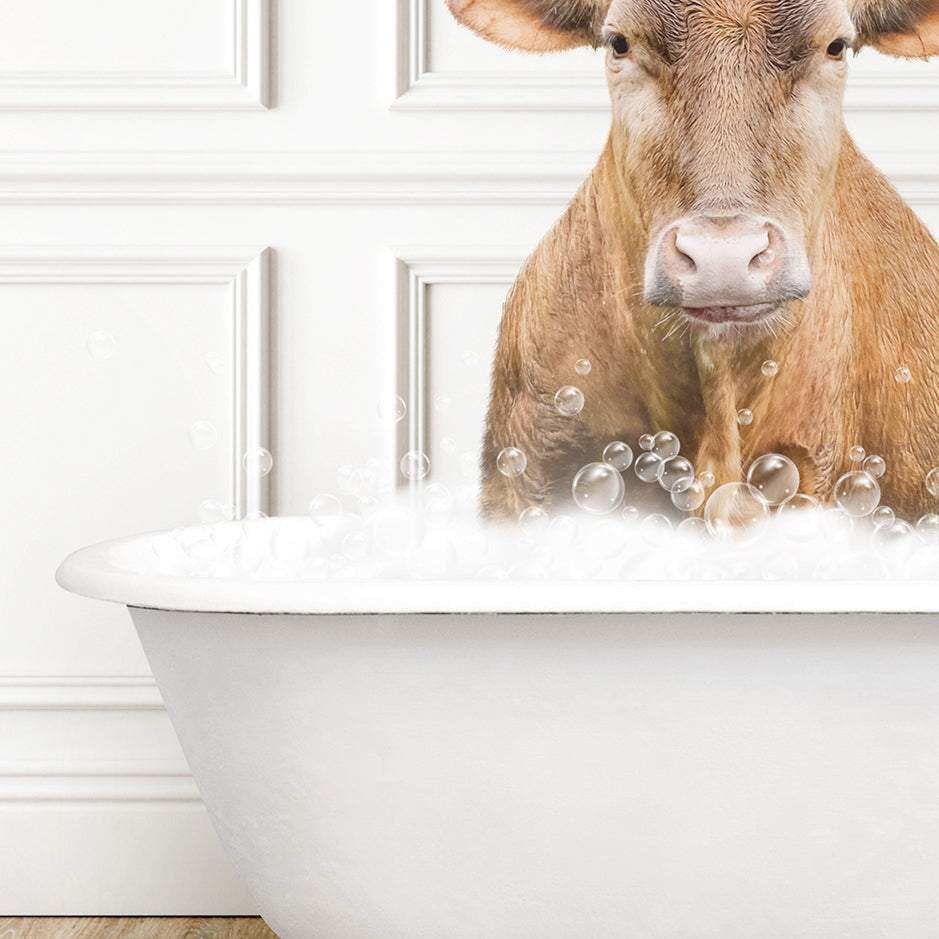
{"points": [[207, 180]]}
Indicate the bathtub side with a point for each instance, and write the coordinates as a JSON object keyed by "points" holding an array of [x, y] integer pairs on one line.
{"points": [[376, 777]]}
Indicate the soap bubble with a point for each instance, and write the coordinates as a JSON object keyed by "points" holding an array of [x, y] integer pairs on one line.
{"points": [[932, 481], [396, 530], [774, 476], [706, 479], [562, 531], [665, 445], [876, 466], [694, 529], [203, 435], [677, 474], [895, 542], [466, 498], [902, 375], [533, 521], [598, 488], [415, 465], [325, 509], [769, 368], [583, 367], [689, 498], [510, 462], [249, 554], [350, 479], [883, 516], [780, 566], [364, 506], [857, 454], [630, 514], [442, 403], [201, 553], [530, 570], [744, 417], [224, 536], [469, 464], [392, 409], [924, 565], [857, 493], [379, 468], [257, 462], [101, 345], [569, 400], [433, 558], [212, 511], [797, 517], [607, 538], [646, 442], [355, 546], [656, 530], [448, 445], [648, 467], [618, 454], [927, 528], [473, 545], [437, 504], [290, 546], [736, 512], [492, 572], [836, 526]]}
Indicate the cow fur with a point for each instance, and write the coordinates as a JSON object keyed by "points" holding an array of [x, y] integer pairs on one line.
{"points": [[873, 307]]}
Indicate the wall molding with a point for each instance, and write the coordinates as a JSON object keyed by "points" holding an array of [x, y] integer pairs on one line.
{"points": [[106, 783], [291, 178], [396, 178], [246, 272], [244, 87], [105, 779], [585, 91], [79, 693], [418, 88], [418, 269]]}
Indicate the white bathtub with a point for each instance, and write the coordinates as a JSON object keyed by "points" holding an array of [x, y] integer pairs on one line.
{"points": [[554, 761]]}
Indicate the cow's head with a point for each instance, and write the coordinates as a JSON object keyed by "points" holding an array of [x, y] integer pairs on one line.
{"points": [[726, 128]]}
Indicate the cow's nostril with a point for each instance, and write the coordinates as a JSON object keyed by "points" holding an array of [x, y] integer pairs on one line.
{"points": [[684, 263], [763, 260]]}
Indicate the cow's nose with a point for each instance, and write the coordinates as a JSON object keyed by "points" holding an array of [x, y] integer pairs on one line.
{"points": [[706, 261]]}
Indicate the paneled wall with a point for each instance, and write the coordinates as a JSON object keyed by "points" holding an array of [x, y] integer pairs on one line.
{"points": [[264, 216]]}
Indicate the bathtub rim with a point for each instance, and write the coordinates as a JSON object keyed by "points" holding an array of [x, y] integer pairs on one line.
{"points": [[91, 572]]}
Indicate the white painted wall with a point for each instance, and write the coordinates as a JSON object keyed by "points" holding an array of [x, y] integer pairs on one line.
{"points": [[216, 178]]}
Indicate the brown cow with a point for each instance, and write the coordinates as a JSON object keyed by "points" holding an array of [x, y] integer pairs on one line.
{"points": [[730, 220]]}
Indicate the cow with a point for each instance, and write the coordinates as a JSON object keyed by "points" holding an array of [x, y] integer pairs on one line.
{"points": [[730, 221]]}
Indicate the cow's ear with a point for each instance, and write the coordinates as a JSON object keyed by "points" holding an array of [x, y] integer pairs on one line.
{"points": [[905, 28], [534, 25]]}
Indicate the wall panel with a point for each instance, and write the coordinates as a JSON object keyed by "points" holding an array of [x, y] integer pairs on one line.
{"points": [[176, 54]]}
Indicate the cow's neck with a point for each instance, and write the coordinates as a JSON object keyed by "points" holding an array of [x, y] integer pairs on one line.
{"points": [[875, 271], [808, 409], [875, 292]]}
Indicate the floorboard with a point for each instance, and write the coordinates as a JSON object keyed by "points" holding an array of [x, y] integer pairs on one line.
{"points": [[133, 927]]}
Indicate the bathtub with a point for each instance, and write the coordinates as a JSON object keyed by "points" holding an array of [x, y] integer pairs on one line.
{"points": [[518, 760]]}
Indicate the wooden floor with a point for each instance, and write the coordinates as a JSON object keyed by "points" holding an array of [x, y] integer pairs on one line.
{"points": [[132, 927]]}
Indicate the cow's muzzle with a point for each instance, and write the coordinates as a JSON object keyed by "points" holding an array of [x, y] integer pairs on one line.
{"points": [[725, 269]]}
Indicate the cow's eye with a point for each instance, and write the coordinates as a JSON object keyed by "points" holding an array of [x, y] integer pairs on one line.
{"points": [[837, 49], [618, 43]]}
